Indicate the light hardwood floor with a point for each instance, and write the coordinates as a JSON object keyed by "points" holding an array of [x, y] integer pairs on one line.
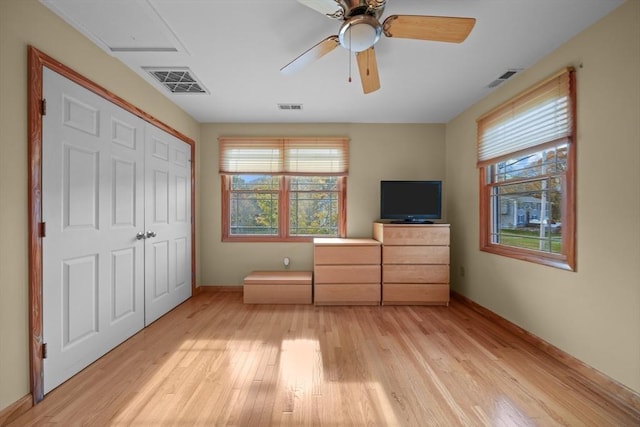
{"points": [[215, 361]]}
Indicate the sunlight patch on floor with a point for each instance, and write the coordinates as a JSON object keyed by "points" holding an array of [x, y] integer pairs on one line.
{"points": [[298, 383], [300, 363]]}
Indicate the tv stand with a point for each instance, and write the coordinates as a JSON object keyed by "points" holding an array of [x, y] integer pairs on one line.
{"points": [[415, 263], [411, 221]]}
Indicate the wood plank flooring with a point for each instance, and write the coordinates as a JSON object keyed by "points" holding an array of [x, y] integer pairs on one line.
{"points": [[214, 361]]}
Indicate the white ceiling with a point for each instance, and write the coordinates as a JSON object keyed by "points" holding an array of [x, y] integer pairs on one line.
{"points": [[237, 47]]}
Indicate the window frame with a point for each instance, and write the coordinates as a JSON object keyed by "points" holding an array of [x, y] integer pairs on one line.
{"points": [[565, 260], [283, 214], [287, 160], [272, 191]]}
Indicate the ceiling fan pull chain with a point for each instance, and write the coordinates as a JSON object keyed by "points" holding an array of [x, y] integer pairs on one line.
{"points": [[350, 56]]}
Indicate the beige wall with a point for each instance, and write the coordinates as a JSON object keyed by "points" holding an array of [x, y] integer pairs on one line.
{"points": [[24, 22], [377, 152], [593, 314]]}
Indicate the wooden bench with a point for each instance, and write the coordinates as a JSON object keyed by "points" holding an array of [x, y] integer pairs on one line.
{"points": [[278, 287]]}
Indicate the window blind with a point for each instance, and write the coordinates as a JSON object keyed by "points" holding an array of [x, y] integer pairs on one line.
{"points": [[539, 116], [290, 156], [318, 157], [257, 156]]}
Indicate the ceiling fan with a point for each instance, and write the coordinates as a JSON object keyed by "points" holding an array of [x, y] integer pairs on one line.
{"points": [[361, 29]]}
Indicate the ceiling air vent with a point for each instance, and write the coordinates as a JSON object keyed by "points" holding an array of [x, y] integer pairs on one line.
{"points": [[507, 74], [289, 106], [177, 80]]}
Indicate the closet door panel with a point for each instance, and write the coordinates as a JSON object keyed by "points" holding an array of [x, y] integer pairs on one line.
{"points": [[93, 272], [168, 222]]}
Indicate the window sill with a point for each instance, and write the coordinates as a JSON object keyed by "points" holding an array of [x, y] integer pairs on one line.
{"points": [[551, 260], [267, 239]]}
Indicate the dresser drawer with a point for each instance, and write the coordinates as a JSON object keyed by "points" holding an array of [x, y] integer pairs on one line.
{"points": [[336, 255], [415, 274], [415, 255], [346, 274], [347, 294], [410, 294], [415, 235]]}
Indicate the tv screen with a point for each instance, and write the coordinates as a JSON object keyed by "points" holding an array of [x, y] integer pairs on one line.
{"points": [[410, 201]]}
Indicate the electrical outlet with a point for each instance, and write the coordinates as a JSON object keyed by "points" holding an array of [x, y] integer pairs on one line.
{"points": [[461, 271], [286, 262]]}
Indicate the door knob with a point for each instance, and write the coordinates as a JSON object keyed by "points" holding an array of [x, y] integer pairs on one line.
{"points": [[150, 234], [140, 235]]}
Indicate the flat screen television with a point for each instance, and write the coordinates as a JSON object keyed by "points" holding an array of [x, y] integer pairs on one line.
{"points": [[411, 201]]}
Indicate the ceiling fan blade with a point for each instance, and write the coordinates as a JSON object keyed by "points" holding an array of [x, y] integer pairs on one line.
{"points": [[330, 8], [368, 68], [434, 28], [311, 55]]}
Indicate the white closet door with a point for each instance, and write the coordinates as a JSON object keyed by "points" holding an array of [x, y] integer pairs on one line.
{"points": [[117, 207], [168, 222], [93, 265]]}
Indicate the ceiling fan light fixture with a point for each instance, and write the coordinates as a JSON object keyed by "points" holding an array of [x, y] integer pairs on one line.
{"points": [[360, 33]]}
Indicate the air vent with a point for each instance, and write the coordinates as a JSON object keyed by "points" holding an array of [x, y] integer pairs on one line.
{"points": [[177, 80], [507, 74], [290, 106]]}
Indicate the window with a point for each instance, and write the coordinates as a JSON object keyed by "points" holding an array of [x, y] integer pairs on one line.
{"points": [[283, 189], [314, 205], [253, 205], [526, 158]]}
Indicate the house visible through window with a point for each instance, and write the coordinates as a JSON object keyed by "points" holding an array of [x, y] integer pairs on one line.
{"points": [[283, 189], [526, 157]]}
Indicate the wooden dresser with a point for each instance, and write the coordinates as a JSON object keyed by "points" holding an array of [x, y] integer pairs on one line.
{"points": [[346, 271], [415, 263]]}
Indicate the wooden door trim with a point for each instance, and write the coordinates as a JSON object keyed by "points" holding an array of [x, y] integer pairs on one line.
{"points": [[37, 60]]}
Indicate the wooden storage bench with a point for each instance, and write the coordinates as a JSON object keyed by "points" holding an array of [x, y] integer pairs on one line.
{"points": [[278, 287]]}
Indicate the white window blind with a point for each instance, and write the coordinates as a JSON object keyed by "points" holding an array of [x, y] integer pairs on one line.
{"points": [[318, 157], [539, 116], [292, 156], [257, 156]]}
